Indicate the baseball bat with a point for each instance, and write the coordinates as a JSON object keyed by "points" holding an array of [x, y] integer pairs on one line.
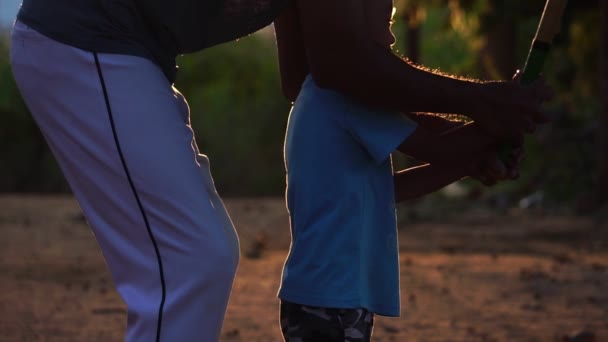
{"points": [[548, 27]]}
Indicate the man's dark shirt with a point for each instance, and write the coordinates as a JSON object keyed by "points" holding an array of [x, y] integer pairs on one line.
{"points": [[159, 30]]}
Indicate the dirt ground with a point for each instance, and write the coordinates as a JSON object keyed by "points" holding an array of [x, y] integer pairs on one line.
{"points": [[482, 277]]}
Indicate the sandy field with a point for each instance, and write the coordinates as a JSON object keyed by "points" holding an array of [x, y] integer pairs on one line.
{"points": [[516, 276]]}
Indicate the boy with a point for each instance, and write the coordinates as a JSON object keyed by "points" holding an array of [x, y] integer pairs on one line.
{"points": [[343, 263]]}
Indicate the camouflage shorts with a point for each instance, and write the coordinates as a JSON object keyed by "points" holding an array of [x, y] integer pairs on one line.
{"points": [[301, 323]]}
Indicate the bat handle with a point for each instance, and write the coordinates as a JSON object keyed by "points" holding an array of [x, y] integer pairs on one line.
{"points": [[535, 62], [532, 70]]}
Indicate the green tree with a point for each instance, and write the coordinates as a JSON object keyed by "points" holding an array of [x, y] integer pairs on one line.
{"points": [[238, 113], [603, 126], [26, 162]]}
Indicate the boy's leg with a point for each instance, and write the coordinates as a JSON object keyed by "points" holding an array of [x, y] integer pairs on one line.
{"points": [[302, 323], [121, 135]]}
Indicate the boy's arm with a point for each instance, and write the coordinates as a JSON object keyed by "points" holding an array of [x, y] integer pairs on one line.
{"points": [[436, 123], [293, 66], [425, 179], [462, 151], [461, 144], [421, 180], [342, 56]]}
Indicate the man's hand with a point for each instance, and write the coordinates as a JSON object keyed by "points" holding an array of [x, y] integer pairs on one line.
{"points": [[507, 110]]}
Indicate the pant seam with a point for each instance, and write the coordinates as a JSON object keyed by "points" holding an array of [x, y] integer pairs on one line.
{"points": [[136, 195]]}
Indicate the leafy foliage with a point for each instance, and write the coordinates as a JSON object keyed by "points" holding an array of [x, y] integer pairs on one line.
{"points": [[26, 164], [239, 114]]}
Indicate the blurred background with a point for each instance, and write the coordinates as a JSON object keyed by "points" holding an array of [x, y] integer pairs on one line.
{"points": [[239, 114], [525, 260]]}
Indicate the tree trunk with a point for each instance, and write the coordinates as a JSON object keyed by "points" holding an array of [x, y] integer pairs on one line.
{"points": [[603, 120], [498, 55], [412, 34]]}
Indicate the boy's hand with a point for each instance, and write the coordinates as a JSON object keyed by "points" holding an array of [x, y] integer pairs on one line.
{"points": [[490, 169]]}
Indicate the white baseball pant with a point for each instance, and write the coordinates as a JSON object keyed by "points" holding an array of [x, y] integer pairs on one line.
{"points": [[121, 135]]}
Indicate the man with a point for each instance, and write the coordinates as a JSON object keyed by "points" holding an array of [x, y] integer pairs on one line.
{"points": [[97, 77]]}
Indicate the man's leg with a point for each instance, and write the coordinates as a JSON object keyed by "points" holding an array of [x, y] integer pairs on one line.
{"points": [[121, 135]]}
